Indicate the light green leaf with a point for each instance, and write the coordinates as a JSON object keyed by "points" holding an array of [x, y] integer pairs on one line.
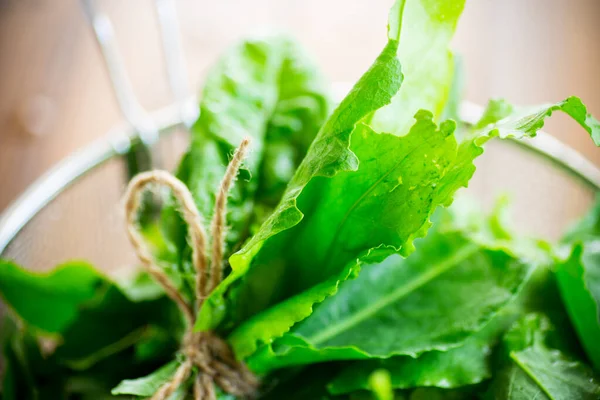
{"points": [[49, 301], [301, 109], [496, 110], [455, 96], [505, 121], [380, 384], [495, 231], [427, 63], [148, 385], [534, 368], [391, 193]]}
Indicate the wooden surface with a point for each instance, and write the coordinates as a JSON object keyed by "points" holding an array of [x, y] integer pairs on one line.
{"points": [[55, 95]]}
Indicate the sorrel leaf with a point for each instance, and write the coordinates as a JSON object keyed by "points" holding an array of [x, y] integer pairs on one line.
{"points": [[532, 368], [404, 306], [579, 281], [266, 88], [49, 301]]}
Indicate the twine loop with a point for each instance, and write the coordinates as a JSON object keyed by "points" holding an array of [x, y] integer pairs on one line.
{"points": [[206, 353]]}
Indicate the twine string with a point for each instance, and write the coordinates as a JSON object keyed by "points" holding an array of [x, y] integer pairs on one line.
{"points": [[204, 352]]}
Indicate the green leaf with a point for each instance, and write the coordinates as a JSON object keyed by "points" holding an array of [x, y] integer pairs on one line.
{"points": [[388, 190], [266, 88], [49, 301], [469, 363], [427, 63], [311, 196], [404, 306], [300, 384], [301, 109], [588, 228], [17, 381], [496, 110], [98, 327], [505, 121], [328, 155], [27, 373], [442, 394], [113, 324], [140, 287], [579, 282], [511, 383], [148, 385], [496, 230], [464, 365], [457, 88], [534, 369], [456, 172], [578, 277], [277, 319]]}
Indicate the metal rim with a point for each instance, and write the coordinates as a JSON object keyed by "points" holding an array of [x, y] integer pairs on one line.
{"points": [[119, 140], [44, 189]]}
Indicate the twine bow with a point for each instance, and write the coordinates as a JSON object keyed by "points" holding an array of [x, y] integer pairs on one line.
{"points": [[210, 355]]}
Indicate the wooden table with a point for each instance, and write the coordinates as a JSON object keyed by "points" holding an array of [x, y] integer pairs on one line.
{"points": [[55, 95]]}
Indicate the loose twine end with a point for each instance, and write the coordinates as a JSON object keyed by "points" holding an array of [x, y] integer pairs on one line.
{"points": [[210, 355]]}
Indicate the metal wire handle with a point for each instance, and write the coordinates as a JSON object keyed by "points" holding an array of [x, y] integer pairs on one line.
{"points": [[138, 117]]}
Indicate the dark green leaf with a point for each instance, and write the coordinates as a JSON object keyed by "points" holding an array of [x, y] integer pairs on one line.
{"points": [[301, 384], [28, 375], [533, 368], [464, 365], [469, 363], [113, 324], [511, 383], [442, 394]]}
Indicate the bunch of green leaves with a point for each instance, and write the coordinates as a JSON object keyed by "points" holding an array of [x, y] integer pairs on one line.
{"points": [[345, 279], [79, 334]]}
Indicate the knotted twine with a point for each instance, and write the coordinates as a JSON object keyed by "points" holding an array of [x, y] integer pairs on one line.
{"points": [[209, 354]]}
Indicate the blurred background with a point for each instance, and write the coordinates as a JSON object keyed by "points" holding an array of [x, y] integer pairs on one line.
{"points": [[55, 95]]}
